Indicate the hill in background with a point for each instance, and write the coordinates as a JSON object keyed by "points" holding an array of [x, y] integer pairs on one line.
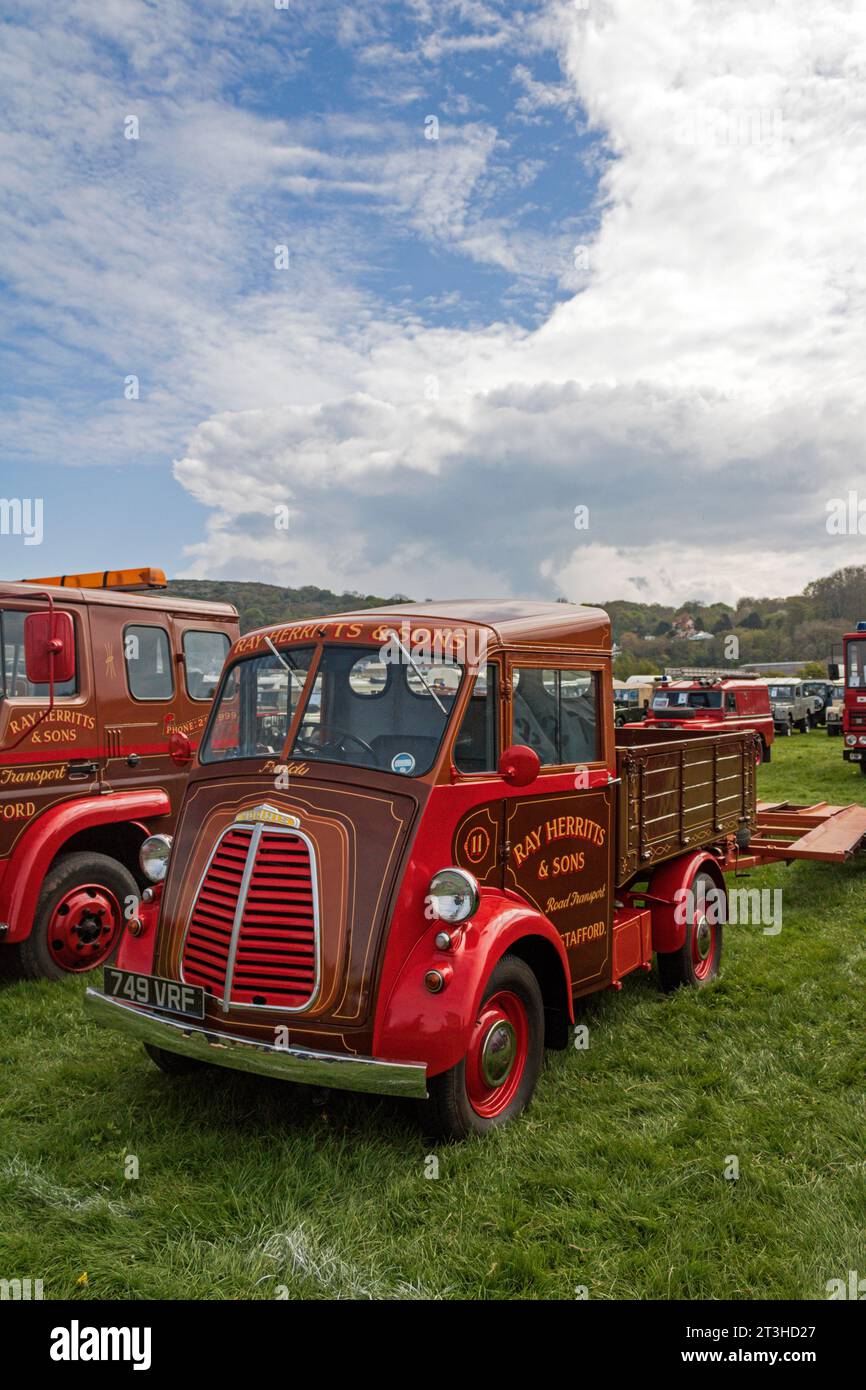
{"points": [[259, 605], [650, 636]]}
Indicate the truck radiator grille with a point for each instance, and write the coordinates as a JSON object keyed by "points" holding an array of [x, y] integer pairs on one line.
{"points": [[253, 937]]}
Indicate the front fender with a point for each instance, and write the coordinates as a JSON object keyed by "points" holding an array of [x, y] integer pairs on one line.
{"points": [[136, 953], [667, 933], [47, 835], [435, 1028]]}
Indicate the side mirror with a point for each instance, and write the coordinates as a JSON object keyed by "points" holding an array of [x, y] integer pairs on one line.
{"points": [[519, 765], [46, 636]]}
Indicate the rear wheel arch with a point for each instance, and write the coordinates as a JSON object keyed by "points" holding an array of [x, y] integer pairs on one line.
{"points": [[666, 883]]}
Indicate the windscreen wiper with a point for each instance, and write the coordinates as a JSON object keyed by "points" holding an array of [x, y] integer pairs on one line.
{"points": [[420, 674]]}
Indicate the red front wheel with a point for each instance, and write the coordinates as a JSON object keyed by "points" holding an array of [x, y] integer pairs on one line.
{"points": [[496, 1079], [79, 917]]}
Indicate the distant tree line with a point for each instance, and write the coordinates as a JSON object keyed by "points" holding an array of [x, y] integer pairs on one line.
{"points": [[801, 627], [262, 605]]}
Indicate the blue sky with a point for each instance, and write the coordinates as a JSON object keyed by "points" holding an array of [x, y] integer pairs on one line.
{"points": [[625, 272]]}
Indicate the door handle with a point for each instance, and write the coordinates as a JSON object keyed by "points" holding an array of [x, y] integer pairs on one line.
{"points": [[80, 770]]}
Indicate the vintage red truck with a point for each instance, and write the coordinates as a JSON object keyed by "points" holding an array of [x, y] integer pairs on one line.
{"points": [[709, 700], [105, 687], [413, 838], [854, 708]]}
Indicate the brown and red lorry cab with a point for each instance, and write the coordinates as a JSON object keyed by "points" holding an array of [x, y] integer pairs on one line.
{"points": [[412, 838], [708, 699]]}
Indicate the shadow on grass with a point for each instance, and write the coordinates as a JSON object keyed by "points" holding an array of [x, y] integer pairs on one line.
{"points": [[243, 1104]]}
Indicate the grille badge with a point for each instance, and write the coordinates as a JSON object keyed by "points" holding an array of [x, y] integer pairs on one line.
{"points": [[267, 815]]}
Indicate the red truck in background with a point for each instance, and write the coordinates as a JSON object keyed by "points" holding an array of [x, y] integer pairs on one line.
{"points": [[697, 698], [854, 709], [104, 690]]}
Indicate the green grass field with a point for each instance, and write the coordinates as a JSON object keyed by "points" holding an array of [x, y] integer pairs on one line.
{"points": [[614, 1181]]}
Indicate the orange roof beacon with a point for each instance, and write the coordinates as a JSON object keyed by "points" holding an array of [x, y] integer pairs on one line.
{"points": [[105, 686], [413, 838]]}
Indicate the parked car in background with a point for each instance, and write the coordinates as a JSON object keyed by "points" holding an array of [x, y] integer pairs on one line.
{"points": [[632, 699], [792, 707], [835, 708], [823, 690], [701, 698]]}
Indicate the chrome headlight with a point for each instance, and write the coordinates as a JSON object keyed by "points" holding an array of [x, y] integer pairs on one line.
{"points": [[454, 894], [850, 739], [153, 857]]}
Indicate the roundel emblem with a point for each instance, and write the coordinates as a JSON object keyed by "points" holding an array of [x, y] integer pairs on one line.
{"points": [[476, 843]]}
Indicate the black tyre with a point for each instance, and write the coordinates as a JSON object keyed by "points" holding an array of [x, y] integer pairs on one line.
{"points": [[172, 1063], [697, 961], [79, 918], [496, 1079]]}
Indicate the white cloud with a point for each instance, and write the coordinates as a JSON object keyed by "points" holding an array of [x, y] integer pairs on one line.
{"points": [[702, 392]]}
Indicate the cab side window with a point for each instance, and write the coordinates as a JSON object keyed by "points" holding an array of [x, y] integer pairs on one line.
{"points": [[147, 655], [556, 714], [13, 676], [203, 656], [475, 748]]}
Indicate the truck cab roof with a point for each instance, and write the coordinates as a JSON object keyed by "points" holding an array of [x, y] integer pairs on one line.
{"points": [[159, 601], [513, 623]]}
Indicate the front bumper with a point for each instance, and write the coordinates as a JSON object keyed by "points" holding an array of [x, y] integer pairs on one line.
{"points": [[336, 1069]]}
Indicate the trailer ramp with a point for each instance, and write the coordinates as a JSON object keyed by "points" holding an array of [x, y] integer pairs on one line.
{"points": [[785, 832]]}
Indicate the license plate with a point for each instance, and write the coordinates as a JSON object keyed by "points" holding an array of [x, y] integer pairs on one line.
{"points": [[855, 757], [152, 992]]}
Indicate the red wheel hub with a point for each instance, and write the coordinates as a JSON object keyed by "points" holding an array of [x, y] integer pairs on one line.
{"points": [[84, 927], [703, 945], [496, 1058]]}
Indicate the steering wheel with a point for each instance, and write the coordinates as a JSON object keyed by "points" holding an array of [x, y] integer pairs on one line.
{"points": [[333, 745]]}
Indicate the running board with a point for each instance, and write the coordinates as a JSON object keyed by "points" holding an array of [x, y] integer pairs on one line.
{"points": [[784, 832]]}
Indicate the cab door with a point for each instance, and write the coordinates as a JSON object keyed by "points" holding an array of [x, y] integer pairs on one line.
{"points": [[47, 754], [559, 832], [134, 655]]}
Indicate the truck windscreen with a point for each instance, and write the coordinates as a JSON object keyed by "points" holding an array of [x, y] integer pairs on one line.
{"points": [[255, 706], [372, 713], [855, 671], [359, 709], [674, 700]]}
